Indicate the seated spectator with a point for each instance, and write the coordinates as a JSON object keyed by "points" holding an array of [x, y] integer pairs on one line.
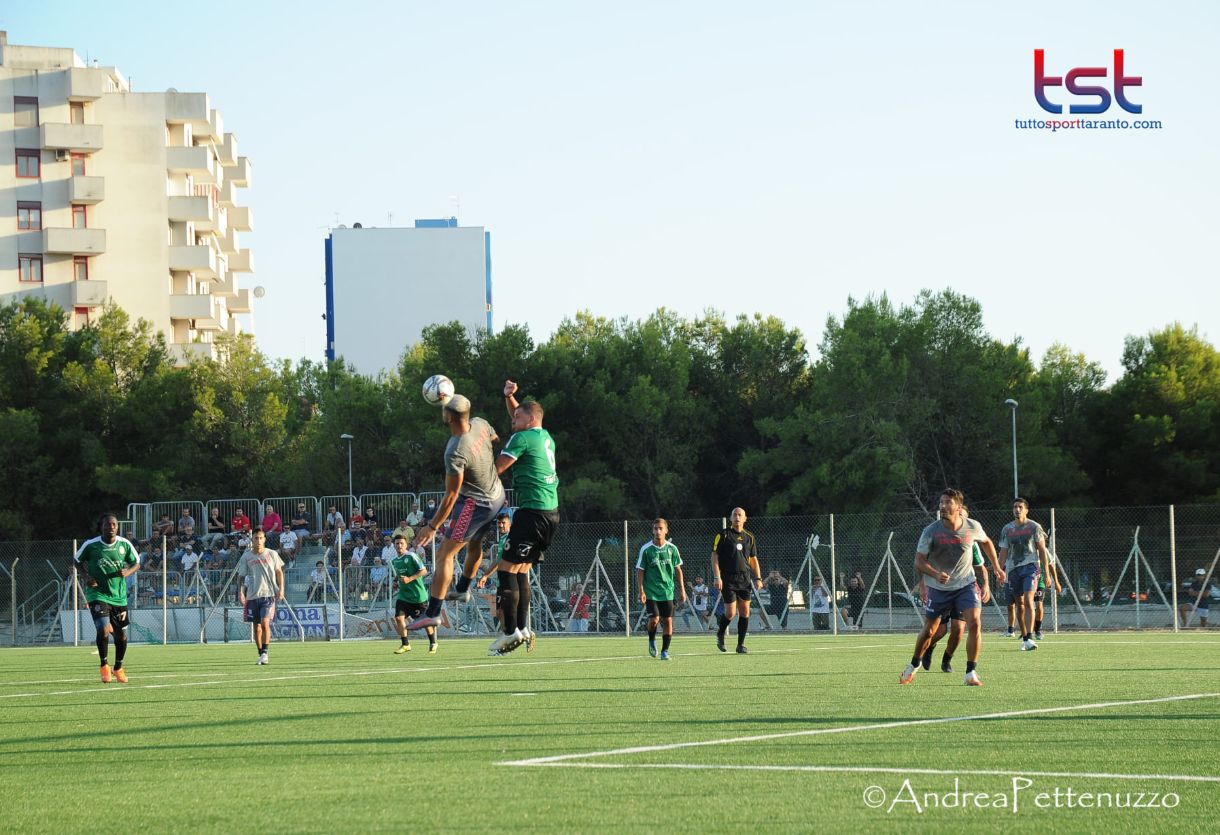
{"points": [[189, 557], [378, 572], [388, 551], [186, 523], [403, 529], [153, 561], [357, 519], [210, 561], [370, 518], [272, 523], [302, 523], [288, 546], [216, 527], [358, 554], [241, 522], [318, 579], [334, 519], [223, 553], [164, 527], [416, 517]]}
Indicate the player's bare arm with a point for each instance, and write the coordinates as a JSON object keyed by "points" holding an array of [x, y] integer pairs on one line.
{"points": [[757, 572], [681, 585], [924, 567], [510, 399], [980, 576], [989, 549], [639, 582], [279, 583]]}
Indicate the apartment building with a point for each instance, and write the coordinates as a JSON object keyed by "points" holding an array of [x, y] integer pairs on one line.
{"points": [[109, 195]]}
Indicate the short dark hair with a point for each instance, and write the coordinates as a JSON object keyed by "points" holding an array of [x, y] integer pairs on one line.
{"points": [[399, 536], [1020, 500], [533, 408], [953, 493], [257, 529]]}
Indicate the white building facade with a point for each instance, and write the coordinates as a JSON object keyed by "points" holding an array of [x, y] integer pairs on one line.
{"points": [[385, 285], [116, 196]]}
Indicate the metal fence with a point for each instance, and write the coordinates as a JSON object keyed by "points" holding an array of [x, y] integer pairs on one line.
{"points": [[1120, 568]]}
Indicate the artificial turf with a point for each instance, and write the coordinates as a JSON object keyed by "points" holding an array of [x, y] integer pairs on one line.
{"points": [[336, 737]]}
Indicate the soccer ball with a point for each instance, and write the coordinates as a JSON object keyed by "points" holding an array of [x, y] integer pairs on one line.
{"points": [[438, 389]]}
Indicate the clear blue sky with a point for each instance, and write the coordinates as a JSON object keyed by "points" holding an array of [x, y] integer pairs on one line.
{"points": [[770, 157]]}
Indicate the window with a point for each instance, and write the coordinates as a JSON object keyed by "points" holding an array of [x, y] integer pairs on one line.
{"points": [[80, 219], [29, 216], [29, 267], [29, 163], [25, 112], [77, 111], [80, 268], [78, 165], [82, 316]]}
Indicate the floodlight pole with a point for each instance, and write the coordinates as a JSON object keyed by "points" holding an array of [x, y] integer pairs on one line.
{"points": [[349, 439], [1016, 492], [339, 540]]}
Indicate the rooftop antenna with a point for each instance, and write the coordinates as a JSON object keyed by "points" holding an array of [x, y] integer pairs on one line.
{"points": [[455, 206], [389, 218]]}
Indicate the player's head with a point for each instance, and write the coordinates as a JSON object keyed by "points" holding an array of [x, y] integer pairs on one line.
{"points": [[951, 503], [660, 529], [108, 526], [456, 411], [737, 518], [504, 521], [1020, 509], [258, 538], [527, 415], [400, 543]]}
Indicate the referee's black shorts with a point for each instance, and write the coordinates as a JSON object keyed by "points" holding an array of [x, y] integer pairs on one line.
{"points": [[530, 535]]}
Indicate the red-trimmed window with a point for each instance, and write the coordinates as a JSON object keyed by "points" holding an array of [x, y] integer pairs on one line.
{"points": [[80, 267], [80, 217], [76, 112], [82, 316], [78, 165], [29, 163], [25, 112], [29, 216], [29, 268]]}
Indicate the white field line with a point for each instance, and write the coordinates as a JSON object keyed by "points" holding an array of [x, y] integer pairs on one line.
{"points": [[906, 723], [304, 676], [849, 769]]}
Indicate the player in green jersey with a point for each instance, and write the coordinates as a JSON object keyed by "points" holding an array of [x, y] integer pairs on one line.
{"points": [[530, 452], [658, 574], [412, 597], [106, 561]]}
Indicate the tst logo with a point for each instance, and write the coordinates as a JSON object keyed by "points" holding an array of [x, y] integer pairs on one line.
{"points": [[1121, 83]]}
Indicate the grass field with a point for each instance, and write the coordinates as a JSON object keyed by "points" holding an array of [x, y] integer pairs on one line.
{"points": [[803, 733]]}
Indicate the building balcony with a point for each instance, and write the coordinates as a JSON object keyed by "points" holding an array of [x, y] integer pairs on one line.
{"points": [[235, 328], [188, 108], [196, 209], [86, 190], [241, 262], [227, 192], [239, 174], [240, 218], [196, 161], [215, 128], [202, 310], [228, 242], [86, 84], [228, 150], [90, 293], [223, 286], [80, 138], [240, 303], [200, 260], [186, 353], [74, 241]]}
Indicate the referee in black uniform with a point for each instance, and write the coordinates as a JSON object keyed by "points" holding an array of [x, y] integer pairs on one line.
{"points": [[736, 573]]}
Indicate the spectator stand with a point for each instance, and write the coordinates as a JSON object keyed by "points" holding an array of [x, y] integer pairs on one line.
{"points": [[1134, 558], [174, 511], [252, 508], [391, 507], [343, 504], [285, 506]]}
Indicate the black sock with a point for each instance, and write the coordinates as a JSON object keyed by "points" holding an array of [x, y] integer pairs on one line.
{"points": [[970, 665], [1038, 626], [405, 641], [652, 631], [723, 627], [916, 660], [103, 646], [665, 642], [524, 595], [120, 648], [434, 607], [431, 637], [506, 601], [743, 626], [463, 583]]}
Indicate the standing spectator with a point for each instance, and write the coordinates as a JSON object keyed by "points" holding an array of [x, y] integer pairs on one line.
{"points": [[700, 596], [272, 523], [318, 579], [819, 604], [416, 517], [777, 601], [578, 605], [853, 612], [289, 542], [216, 527], [186, 524], [301, 523]]}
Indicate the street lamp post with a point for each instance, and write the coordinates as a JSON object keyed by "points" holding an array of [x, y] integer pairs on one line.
{"points": [[339, 538], [1015, 489]]}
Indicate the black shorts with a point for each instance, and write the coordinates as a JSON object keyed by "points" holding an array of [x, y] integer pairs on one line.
{"points": [[1038, 595], [530, 535], [660, 608], [738, 589], [108, 612], [404, 609]]}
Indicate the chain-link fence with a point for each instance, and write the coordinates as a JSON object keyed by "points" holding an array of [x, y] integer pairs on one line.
{"points": [[1114, 568]]}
